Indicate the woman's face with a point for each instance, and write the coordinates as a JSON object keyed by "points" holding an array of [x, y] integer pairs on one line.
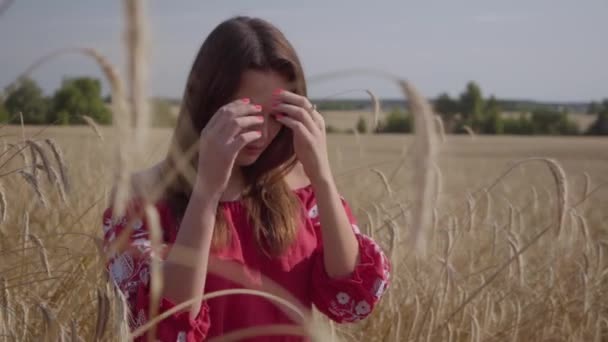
{"points": [[259, 87]]}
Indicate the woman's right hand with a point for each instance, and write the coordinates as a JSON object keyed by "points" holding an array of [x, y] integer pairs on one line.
{"points": [[228, 131]]}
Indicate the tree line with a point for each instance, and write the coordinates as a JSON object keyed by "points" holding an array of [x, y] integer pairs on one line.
{"points": [[470, 111], [75, 97]]}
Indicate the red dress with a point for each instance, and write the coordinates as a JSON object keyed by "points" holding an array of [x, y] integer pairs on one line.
{"points": [[300, 271]]}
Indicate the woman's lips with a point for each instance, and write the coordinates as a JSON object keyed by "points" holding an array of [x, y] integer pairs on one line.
{"points": [[253, 149]]}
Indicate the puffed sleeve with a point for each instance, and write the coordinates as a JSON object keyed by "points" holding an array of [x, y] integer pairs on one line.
{"points": [[129, 268], [350, 298]]}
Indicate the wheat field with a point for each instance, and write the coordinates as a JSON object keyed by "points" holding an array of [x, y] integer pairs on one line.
{"points": [[491, 238], [499, 265]]}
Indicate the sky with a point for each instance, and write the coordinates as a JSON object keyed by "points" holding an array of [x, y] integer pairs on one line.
{"points": [[547, 50]]}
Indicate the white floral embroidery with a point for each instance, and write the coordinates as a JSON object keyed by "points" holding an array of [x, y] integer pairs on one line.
{"points": [[313, 212], [181, 336], [107, 225], [137, 224], [379, 287], [144, 275], [121, 268], [142, 244], [348, 309], [342, 298], [362, 308]]}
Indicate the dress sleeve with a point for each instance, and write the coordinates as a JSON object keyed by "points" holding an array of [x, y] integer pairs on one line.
{"points": [[350, 298], [129, 269]]}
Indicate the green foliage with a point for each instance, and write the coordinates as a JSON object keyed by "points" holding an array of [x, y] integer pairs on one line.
{"points": [[4, 116], [28, 99], [361, 125], [77, 97], [337, 105], [445, 106], [472, 106], [397, 121], [600, 125], [541, 122], [330, 129], [518, 126], [552, 122], [492, 122]]}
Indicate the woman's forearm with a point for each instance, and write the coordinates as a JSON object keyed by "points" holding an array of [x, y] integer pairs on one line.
{"points": [[341, 249], [185, 268]]}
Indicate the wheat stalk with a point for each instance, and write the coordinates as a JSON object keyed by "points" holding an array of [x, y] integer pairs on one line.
{"points": [[50, 330], [3, 206], [91, 123], [376, 106], [103, 314], [424, 158], [61, 164], [29, 178], [156, 278], [38, 150], [44, 258], [440, 127], [387, 186], [469, 131]]}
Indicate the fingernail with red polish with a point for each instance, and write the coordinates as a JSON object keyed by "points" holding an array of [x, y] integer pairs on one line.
{"points": [[245, 100], [258, 107], [277, 91]]}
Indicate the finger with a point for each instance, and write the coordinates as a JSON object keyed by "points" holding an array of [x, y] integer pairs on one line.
{"points": [[296, 126], [300, 101], [299, 114], [235, 125], [292, 98], [228, 116], [239, 141]]}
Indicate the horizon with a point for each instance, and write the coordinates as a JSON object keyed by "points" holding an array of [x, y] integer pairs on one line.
{"points": [[543, 51]]}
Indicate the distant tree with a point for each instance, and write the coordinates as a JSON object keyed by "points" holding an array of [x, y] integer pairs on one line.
{"points": [[547, 121], [445, 106], [492, 122], [4, 116], [361, 125], [600, 125], [397, 121], [330, 129], [77, 97], [28, 99], [518, 126], [472, 105]]}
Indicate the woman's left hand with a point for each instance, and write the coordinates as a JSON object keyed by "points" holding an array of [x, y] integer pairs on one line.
{"points": [[309, 138]]}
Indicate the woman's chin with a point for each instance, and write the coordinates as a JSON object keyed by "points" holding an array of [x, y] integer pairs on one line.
{"points": [[246, 159]]}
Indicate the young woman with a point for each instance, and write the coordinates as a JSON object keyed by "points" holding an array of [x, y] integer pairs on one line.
{"points": [[261, 196]]}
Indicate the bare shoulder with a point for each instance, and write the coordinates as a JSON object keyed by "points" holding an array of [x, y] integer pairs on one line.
{"points": [[297, 178], [143, 179]]}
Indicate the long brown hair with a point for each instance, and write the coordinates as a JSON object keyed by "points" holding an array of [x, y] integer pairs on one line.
{"points": [[236, 45]]}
